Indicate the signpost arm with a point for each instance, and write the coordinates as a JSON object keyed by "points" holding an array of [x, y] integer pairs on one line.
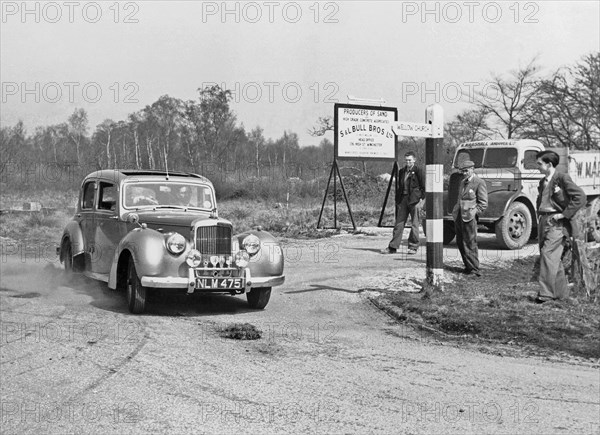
{"points": [[434, 191]]}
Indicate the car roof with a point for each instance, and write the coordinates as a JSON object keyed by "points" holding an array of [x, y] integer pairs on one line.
{"points": [[118, 175]]}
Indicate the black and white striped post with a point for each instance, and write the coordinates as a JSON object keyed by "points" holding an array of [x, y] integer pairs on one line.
{"points": [[434, 192], [433, 132]]}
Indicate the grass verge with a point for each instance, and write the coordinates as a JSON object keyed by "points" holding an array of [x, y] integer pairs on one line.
{"points": [[499, 308]]}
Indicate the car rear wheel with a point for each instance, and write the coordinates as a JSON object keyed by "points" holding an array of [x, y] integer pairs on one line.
{"points": [[136, 292], [259, 297], [68, 258]]}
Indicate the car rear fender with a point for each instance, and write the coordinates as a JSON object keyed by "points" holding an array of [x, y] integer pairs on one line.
{"points": [[73, 234]]}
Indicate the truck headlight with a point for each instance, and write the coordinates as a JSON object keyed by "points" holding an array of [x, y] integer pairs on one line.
{"points": [[251, 244], [176, 243], [194, 258]]}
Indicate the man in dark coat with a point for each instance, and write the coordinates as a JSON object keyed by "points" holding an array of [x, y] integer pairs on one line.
{"points": [[472, 201], [559, 198], [410, 194]]}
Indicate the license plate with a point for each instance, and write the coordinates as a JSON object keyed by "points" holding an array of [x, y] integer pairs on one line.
{"points": [[219, 283]]}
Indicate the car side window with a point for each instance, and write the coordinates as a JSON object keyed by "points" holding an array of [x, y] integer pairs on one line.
{"points": [[529, 161], [108, 197], [87, 201]]}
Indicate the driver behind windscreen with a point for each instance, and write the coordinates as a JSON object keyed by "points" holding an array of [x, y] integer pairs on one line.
{"points": [[185, 197]]}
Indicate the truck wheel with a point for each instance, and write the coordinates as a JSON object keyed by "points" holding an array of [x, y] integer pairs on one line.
{"points": [[514, 229], [136, 292], [259, 297], [449, 232]]}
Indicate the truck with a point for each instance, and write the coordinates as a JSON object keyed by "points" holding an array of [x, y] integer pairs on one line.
{"points": [[511, 175]]}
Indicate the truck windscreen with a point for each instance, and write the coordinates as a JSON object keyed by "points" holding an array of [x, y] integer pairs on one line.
{"points": [[473, 154], [500, 158]]}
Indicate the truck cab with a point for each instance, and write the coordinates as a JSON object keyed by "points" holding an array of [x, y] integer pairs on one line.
{"points": [[509, 170]]}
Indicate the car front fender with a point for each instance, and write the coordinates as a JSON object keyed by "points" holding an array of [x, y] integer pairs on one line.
{"points": [[268, 261], [148, 250]]}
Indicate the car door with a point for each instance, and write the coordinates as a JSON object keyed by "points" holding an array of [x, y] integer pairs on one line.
{"points": [[86, 220], [108, 229]]}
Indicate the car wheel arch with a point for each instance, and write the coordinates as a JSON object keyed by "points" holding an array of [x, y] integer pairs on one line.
{"points": [[77, 259]]}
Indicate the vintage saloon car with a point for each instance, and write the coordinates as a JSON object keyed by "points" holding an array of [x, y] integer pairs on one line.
{"points": [[139, 230]]}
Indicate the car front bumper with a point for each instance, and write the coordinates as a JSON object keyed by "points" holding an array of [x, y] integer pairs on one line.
{"points": [[189, 283]]}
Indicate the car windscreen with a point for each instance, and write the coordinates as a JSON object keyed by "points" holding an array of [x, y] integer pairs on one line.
{"points": [[500, 158], [473, 154], [168, 194]]}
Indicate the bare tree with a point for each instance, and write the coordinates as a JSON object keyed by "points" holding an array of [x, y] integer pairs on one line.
{"points": [[508, 108], [468, 126], [323, 125], [77, 128], [566, 109]]}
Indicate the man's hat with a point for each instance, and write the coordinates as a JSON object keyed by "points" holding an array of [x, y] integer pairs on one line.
{"points": [[466, 165]]}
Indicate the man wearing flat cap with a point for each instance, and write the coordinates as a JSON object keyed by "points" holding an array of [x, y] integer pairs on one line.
{"points": [[472, 201]]}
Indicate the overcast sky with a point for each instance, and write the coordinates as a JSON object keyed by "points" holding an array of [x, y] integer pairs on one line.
{"points": [[287, 62]]}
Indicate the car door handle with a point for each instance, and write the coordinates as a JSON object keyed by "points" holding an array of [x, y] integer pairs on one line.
{"points": [[114, 218]]}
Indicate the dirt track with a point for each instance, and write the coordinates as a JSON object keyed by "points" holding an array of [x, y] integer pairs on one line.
{"points": [[73, 359]]}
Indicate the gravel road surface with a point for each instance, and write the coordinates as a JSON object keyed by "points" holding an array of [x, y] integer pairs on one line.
{"points": [[75, 361]]}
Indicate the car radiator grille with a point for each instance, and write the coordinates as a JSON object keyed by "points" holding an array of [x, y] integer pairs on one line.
{"points": [[215, 240]]}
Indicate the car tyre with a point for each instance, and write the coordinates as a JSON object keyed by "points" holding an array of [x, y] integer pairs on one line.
{"points": [[514, 229], [258, 297], [136, 292], [68, 259]]}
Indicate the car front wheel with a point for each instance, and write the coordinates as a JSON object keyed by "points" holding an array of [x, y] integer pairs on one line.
{"points": [[259, 297], [136, 292]]}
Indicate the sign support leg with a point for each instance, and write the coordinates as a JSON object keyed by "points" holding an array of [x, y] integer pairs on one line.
{"points": [[331, 173], [335, 173], [387, 194], [345, 196]]}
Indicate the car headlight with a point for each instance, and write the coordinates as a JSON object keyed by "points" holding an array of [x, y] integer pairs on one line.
{"points": [[251, 244], [194, 258], [176, 243], [241, 259]]}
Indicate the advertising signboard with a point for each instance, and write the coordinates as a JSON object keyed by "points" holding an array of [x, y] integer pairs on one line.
{"points": [[364, 132]]}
